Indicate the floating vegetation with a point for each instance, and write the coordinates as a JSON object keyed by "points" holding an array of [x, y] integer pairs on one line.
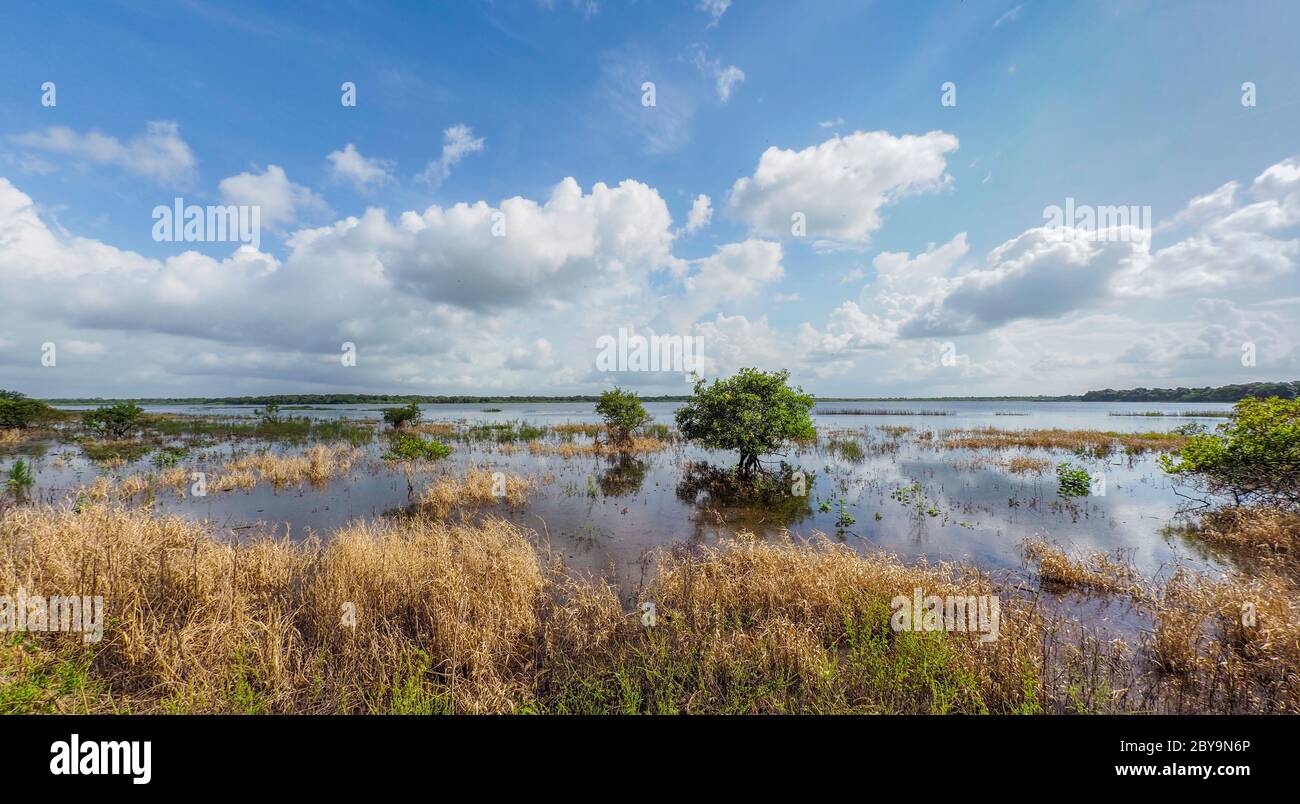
{"points": [[1072, 481]]}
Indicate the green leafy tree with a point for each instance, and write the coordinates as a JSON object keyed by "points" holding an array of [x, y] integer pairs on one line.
{"points": [[16, 410], [403, 416], [623, 413], [114, 421], [1254, 457], [270, 412], [754, 413]]}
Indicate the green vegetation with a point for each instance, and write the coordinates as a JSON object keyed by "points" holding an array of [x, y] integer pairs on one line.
{"points": [[623, 413], [121, 420], [754, 413], [500, 432], [282, 428], [1072, 481], [408, 447], [20, 477], [1254, 457], [270, 413], [1224, 393], [403, 416], [17, 411]]}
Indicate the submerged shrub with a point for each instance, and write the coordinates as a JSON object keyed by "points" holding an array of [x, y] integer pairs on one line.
{"points": [[754, 413], [403, 416], [623, 413], [114, 421], [17, 411], [407, 447]]}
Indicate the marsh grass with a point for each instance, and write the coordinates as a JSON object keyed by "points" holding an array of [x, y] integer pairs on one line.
{"points": [[1025, 465], [293, 429], [420, 615], [478, 488], [1095, 443], [1094, 571], [316, 465]]}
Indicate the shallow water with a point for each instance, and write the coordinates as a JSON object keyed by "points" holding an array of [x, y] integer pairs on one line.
{"points": [[606, 515]]}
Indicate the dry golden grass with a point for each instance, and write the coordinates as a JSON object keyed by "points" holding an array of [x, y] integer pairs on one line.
{"points": [[1095, 571], [434, 428], [477, 488], [132, 485], [1234, 641], [317, 465], [1055, 439], [757, 626], [196, 624], [1022, 465], [1260, 531], [231, 480], [12, 437], [423, 615], [578, 428]]}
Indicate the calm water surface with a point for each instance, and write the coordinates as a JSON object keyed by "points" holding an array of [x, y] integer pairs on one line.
{"points": [[606, 515]]}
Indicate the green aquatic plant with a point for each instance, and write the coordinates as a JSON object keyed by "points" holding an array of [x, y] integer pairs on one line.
{"points": [[20, 477], [1073, 481], [407, 447]]}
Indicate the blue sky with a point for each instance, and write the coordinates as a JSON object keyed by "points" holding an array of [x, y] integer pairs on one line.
{"points": [[1130, 103]]}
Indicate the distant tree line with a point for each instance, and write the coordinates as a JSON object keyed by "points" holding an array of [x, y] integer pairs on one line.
{"points": [[348, 399], [1223, 393]]}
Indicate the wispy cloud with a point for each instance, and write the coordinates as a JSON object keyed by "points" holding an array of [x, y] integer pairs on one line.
{"points": [[159, 153], [458, 142], [1009, 17]]}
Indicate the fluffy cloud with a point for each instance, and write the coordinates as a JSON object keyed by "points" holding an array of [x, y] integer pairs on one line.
{"points": [[159, 153], [840, 185], [363, 172], [1048, 272], [399, 286], [700, 215], [510, 297], [281, 200], [1038, 274], [736, 271]]}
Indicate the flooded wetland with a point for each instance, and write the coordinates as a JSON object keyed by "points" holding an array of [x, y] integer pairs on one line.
{"points": [[958, 481], [1058, 512]]}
